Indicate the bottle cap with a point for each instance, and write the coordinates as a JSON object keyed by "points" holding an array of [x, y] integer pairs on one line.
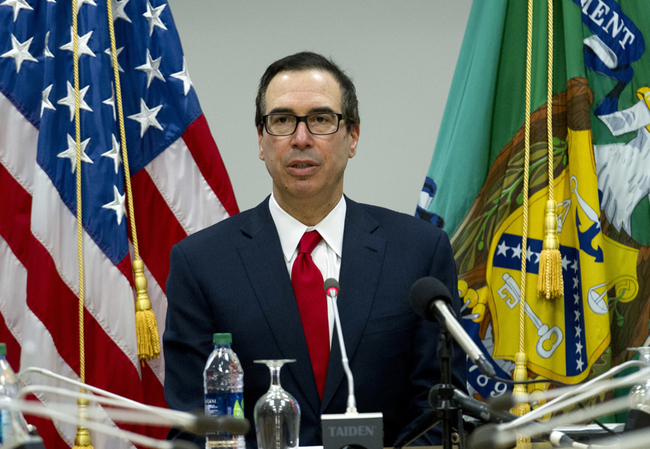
{"points": [[222, 338], [3, 349]]}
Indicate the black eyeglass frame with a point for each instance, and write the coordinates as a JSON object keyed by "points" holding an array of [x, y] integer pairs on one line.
{"points": [[302, 118]]}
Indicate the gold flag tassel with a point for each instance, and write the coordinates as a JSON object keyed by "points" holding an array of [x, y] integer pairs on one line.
{"points": [[518, 391], [520, 373], [82, 439], [145, 319], [549, 280]]}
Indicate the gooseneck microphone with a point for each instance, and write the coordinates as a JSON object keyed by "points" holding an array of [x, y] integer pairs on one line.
{"points": [[341, 430], [430, 299], [332, 291]]}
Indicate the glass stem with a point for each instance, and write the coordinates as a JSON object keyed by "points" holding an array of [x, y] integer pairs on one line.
{"points": [[275, 376]]}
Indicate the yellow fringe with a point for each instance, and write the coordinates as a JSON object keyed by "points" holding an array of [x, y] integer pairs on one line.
{"points": [[520, 374], [549, 280], [82, 439], [146, 327]]}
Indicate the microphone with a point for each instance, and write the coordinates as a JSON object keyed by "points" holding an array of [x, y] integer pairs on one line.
{"points": [[341, 430], [477, 409], [202, 424], [430, 299]]}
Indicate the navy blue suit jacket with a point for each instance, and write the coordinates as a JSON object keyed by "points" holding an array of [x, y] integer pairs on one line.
{"points": [[232, 277]]}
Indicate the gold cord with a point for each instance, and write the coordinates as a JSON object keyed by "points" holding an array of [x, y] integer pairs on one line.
{"points": [[549, 281], [82, 439], [146, 325], [520, 372], [80, 257], [524, 233], [549, 102]]}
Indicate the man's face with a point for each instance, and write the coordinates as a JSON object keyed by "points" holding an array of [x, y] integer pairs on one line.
{"points": [[306, 166]]}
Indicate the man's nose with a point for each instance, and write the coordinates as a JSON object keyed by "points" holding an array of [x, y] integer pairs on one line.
{"points": [[302, 138]]}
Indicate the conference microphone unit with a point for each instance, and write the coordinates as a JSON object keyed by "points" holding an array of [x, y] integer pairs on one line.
{"points": [[431, 299], [351, 428], [202, 424]]}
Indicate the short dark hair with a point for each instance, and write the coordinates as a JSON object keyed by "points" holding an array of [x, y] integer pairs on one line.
{"points": [[310, 61]]}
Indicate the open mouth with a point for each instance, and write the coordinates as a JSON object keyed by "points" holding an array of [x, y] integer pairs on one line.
{"points": [[302, 165]]}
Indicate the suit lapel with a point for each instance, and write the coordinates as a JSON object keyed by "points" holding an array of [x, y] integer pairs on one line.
{"points": [[266, 269], [361, 262]]}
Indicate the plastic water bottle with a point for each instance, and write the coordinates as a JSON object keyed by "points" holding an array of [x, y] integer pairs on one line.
{"points": [[223, 383], [8, 391]]}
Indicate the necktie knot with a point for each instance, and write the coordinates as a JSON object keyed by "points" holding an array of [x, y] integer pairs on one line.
{"points": [[308, 242]]}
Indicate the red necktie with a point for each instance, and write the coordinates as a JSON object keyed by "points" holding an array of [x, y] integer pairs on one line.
{"points": [[307, 283]]}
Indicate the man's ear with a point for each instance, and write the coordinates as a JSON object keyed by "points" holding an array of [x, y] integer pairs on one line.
{"points": [[354, 140], [259, 141]]}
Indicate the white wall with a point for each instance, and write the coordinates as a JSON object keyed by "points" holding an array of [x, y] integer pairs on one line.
{"points": [[401, 55]]}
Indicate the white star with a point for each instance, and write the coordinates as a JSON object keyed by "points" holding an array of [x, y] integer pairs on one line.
{"points": [[575, 266], [17, 5], [114, 153], [151, 68], [502, 248], [580, 363], [46, 50], [117, 205], [516, 252], [118, 10], [45, 101], [20, 52], [110, 55], [578, 331], [578, 348], [84, 49], [71, 152], [81, 2], [577, 315], [51, 1], [576, 282], [537, 257], [153, 16], [565, 263], [147, 117], [111, 100], [184, 76], [69, 100], [528, 253], [576, 298]]}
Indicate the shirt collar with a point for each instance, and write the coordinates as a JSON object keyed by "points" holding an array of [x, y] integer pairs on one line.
{"points": [[291, 230]]}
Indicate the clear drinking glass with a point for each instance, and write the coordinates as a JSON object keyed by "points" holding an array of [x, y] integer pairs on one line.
{"points": [[640, 393], [277, 413]]}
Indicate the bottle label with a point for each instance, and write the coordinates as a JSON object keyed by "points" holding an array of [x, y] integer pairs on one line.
{"points": [[224, 403], [236, 401], [4, 426]]}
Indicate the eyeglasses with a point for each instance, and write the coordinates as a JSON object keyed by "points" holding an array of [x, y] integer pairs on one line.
{"points": [[320, 123]]}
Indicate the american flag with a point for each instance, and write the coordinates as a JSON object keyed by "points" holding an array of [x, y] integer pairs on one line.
{"points": [[180, 185]]}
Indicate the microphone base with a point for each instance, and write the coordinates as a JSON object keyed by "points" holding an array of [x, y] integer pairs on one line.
{"points": [[364, 430]]}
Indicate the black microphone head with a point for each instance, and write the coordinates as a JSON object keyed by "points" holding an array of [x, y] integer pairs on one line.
{"points": [[504, 402], [202, 424], [423, 292], [182, 444], [490, 436], [331, 283]]}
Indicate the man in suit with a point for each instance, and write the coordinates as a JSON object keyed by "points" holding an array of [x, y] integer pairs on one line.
{"points": [[239, 275]]}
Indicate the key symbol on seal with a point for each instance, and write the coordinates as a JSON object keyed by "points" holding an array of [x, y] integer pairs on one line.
{"points": [[510, 292]]}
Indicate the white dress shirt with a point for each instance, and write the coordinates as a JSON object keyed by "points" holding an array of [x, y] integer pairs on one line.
{"points": [[326, 255]]}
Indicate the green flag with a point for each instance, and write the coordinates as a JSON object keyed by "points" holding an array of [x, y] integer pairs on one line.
{"points": [[601, 158]]}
